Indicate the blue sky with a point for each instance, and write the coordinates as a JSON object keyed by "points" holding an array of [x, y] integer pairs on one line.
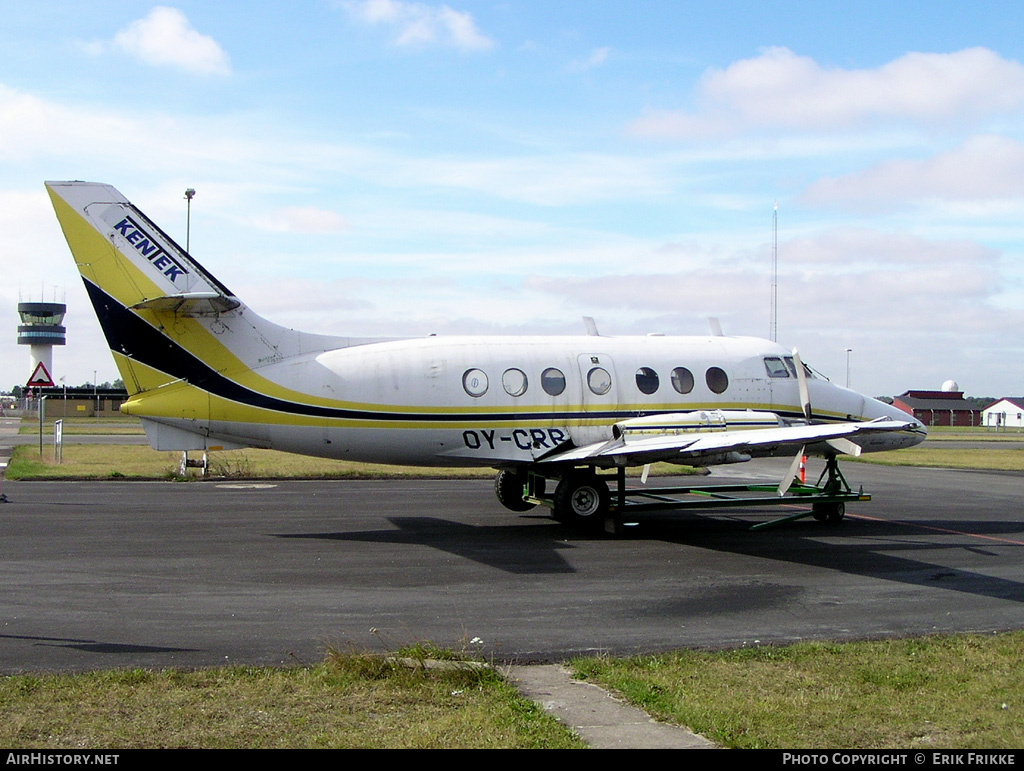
{"points": [[403, 168]]}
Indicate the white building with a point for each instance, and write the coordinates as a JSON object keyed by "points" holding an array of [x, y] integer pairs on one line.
{"points": [[1008, 412]]}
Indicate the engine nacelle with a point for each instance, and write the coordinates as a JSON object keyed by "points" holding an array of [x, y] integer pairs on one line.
{"points": [[698, 420]]}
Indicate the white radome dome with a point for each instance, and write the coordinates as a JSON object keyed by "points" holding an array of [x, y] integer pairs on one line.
{"points": [[949, 386]]}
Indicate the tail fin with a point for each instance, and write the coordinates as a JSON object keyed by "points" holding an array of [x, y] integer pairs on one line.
{"points": [[165, 317], [189, 351], [136, 276]]}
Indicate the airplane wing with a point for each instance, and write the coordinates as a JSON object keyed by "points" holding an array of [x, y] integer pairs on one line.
{"points": [[729, 446]]}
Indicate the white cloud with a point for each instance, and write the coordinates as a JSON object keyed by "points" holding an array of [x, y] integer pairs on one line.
{"points": [[597, 57], [830, 283], [166, 38], [418, 24], [31, 126], [310, 219], [784, 90], [984, 168], [867, 249], [571, 178]]}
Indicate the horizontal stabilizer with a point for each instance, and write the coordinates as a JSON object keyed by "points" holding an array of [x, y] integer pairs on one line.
{"points": [[190, 304]]}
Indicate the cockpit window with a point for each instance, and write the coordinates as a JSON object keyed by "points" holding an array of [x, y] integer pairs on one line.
{"points": [[777, 368], [791, 364]]}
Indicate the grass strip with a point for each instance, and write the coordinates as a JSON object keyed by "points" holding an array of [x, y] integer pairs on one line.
{"points": [[75, 426], [131, 462], [352, 700], [962, 691], [984, 459], [950, 692]]}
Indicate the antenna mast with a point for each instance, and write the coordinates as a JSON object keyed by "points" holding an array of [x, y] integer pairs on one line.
{"points": [[774, 309]]}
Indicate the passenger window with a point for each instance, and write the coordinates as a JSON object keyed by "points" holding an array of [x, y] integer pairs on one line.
{"points": [[599, 380], [514, 381], [475, 382], [776, 367], [552, 381], [647, 380], [716, 379], [682, 380]]}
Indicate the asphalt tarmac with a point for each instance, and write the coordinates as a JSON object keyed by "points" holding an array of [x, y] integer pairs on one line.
{"points": [[110, 574]]}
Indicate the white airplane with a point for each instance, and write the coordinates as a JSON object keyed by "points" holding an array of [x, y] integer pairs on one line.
{"points": [[204, 372]]}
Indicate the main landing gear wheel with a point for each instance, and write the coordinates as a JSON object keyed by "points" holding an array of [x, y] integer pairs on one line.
{"points": [[832, 513], [582, 500], [510, 486]]}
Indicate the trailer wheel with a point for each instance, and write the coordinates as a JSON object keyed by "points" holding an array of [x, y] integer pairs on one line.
{"points": [[581, 500], [509, 486], [832, 513]]}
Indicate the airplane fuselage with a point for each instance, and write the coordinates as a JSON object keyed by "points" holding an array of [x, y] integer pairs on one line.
{"points": [[497, 401], [205, 372]]}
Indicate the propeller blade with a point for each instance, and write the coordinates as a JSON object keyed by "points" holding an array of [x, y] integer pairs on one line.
{"points": [[794, 467], [644, 473], [844, 446], [801, 379]]}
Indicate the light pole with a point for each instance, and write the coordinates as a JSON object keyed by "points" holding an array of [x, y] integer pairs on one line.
{"points": [[189, 194], [848, 352]]}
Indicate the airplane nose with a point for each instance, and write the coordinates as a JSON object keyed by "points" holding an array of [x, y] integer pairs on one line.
{"points": [[897, 414], [915, 435]]}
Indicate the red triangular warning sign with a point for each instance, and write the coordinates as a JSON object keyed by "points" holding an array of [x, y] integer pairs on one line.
{"points": [[40, 377]]}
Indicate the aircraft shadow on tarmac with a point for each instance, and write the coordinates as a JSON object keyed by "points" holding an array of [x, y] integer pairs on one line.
{"points": [[872, 548], [505, 547]]}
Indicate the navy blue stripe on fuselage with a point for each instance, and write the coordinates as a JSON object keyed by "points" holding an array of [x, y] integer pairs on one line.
{"points": [[130, 335]]}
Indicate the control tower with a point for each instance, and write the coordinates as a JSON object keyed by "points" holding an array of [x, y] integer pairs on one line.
{"points": [[41, 329]]}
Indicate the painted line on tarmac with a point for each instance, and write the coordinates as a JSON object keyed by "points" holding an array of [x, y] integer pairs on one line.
{"points": [[946, 530]]}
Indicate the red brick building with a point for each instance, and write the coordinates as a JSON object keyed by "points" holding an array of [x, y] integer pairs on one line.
{"points": [[939, 408]]}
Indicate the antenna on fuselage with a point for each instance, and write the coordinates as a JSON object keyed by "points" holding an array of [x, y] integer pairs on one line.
{"points": [[591, 326]]}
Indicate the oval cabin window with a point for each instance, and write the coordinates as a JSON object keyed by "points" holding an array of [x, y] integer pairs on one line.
{"points": [[599, 381], [716, 379], [647, 380], [514, 382], [552, 381], [682, 380], [475, 382]]}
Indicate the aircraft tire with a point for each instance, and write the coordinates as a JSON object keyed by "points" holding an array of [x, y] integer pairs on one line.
{"points": [[582, 500], [508, 486]]}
